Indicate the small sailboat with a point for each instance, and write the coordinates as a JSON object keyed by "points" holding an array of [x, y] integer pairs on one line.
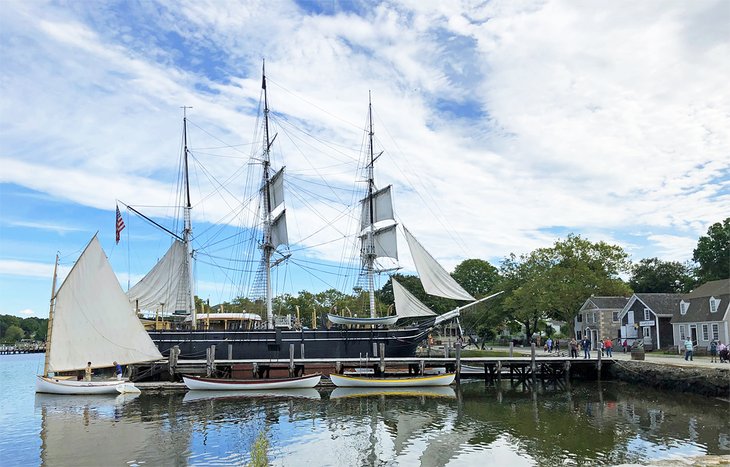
{"points": [[90, 320], [406, 382], [219, 384]]}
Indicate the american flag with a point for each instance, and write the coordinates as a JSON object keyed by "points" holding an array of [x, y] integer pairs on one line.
{"points": [[120, 223]]}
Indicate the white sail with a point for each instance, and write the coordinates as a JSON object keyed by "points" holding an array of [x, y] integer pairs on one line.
{"points": [[92, 319], [382, 208], [279, 234], [406, 304], [386, 242], [435, 279], [276, 189], [166, 286]]}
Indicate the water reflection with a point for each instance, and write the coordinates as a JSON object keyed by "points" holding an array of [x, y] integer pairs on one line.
{"points": [[476, 424]]}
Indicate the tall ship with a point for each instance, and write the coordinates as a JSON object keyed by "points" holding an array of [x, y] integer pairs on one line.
{"points": [[246, 334]]}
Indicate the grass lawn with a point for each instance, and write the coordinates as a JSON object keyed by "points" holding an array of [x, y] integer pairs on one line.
{"points": [[486, 353]]}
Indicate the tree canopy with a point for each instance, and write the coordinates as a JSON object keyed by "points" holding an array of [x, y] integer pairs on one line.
{"points": [[713, 253], [652, 275], [554, 282]]}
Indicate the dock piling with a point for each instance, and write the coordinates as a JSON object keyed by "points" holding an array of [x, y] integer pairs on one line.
{"points": [[291, 359], [382, 358]]}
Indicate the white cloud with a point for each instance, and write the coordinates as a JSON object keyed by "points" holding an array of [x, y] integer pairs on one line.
{"points": [[26, 312], [585, 117]]}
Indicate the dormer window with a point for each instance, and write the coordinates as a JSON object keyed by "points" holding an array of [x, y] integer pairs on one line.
{"points": [[714, 303], [683, 307]]}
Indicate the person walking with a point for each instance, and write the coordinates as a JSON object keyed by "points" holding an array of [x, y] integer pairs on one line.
{"points": [[722, 352], [688, 349], [549, 345], [586, 347], [625, 344], [713, 351]]}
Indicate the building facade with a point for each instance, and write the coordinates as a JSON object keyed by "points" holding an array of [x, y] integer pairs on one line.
{"points": [[599, 318], [704, 314], [648, 316]]}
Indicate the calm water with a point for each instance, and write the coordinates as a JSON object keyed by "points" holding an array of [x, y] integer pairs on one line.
{"points": [[583, 424]]}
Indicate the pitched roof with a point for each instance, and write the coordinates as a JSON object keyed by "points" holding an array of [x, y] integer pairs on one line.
{"points": [[606, 303], [661, 303], [699, 303], [711, 289]]}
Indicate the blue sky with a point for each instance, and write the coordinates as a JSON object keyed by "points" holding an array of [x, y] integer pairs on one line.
{"points": [[505, 125]]}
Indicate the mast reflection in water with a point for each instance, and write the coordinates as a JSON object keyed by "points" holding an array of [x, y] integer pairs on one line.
{"points": [[589, 423]]}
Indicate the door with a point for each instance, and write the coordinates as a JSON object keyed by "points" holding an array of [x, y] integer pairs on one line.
{"points": [[693, 331]]}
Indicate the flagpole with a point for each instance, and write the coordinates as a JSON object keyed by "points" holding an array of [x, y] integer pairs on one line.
{"points": [[129, 265]]}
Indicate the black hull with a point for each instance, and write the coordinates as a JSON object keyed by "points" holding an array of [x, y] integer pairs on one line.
{"points": [[270, 344]]}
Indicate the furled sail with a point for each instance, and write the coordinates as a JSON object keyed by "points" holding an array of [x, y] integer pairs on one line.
{"points": [[435, 279], [386, 242], [279, 234], [406, 304], [382, 207], [92, 319], [166, 286]]}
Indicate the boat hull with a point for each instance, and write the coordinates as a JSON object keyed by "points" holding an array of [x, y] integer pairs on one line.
{"points": [[418, 381], [49, 385], [275, 344], [216, 384]]}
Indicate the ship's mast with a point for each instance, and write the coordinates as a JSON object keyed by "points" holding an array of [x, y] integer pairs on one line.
{"points": [[370, 245], [188, 227], [50, 318], [267, 246]]}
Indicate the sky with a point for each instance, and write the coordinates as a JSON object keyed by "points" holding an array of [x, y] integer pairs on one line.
{"points": [[504, 126]]}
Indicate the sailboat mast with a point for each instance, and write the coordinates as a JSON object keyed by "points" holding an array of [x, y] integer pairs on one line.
{"points": [[267, 246], [188, 226], [370, 253], [50, 319]]}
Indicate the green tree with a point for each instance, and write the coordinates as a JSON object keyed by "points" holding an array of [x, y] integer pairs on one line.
{"points": [[14, 334], [554, 282], [476, 276], [713, 253], [652, 275]]}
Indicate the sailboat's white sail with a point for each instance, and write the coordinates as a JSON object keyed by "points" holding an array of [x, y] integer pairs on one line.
{"points": [[166, 286], [406, 304], [276, 189], [93, 321], [435, 279], [279, 234]]}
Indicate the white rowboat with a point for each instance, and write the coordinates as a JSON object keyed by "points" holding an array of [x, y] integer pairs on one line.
{"points": [[52, 385], [218, 384], [416, 381]]}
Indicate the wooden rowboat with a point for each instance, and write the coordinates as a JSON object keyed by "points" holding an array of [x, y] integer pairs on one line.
{"points": [[416, 381], [219, 384]]}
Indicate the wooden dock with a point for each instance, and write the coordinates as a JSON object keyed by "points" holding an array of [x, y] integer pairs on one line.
{"points": [[516, 368]]}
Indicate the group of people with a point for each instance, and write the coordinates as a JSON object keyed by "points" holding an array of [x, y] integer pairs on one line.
{"points": [[718, 349], [88, 371], [551, 345], [584, 344]]}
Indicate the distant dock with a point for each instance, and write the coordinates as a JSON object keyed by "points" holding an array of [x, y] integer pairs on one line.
{"points": [[21, 349]]}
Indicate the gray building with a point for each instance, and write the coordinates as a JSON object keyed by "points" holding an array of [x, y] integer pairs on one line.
{"points": [[704, 314], [648, 316], [599, 318]]}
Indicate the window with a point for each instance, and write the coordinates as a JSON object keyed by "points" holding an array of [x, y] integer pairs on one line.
{"points": [[580, 317], [647, 314], [682, 332], [705, 332], [683, 307], [595, 318], [647, 332], [615, 316], [714, 303], [715, 331]]}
